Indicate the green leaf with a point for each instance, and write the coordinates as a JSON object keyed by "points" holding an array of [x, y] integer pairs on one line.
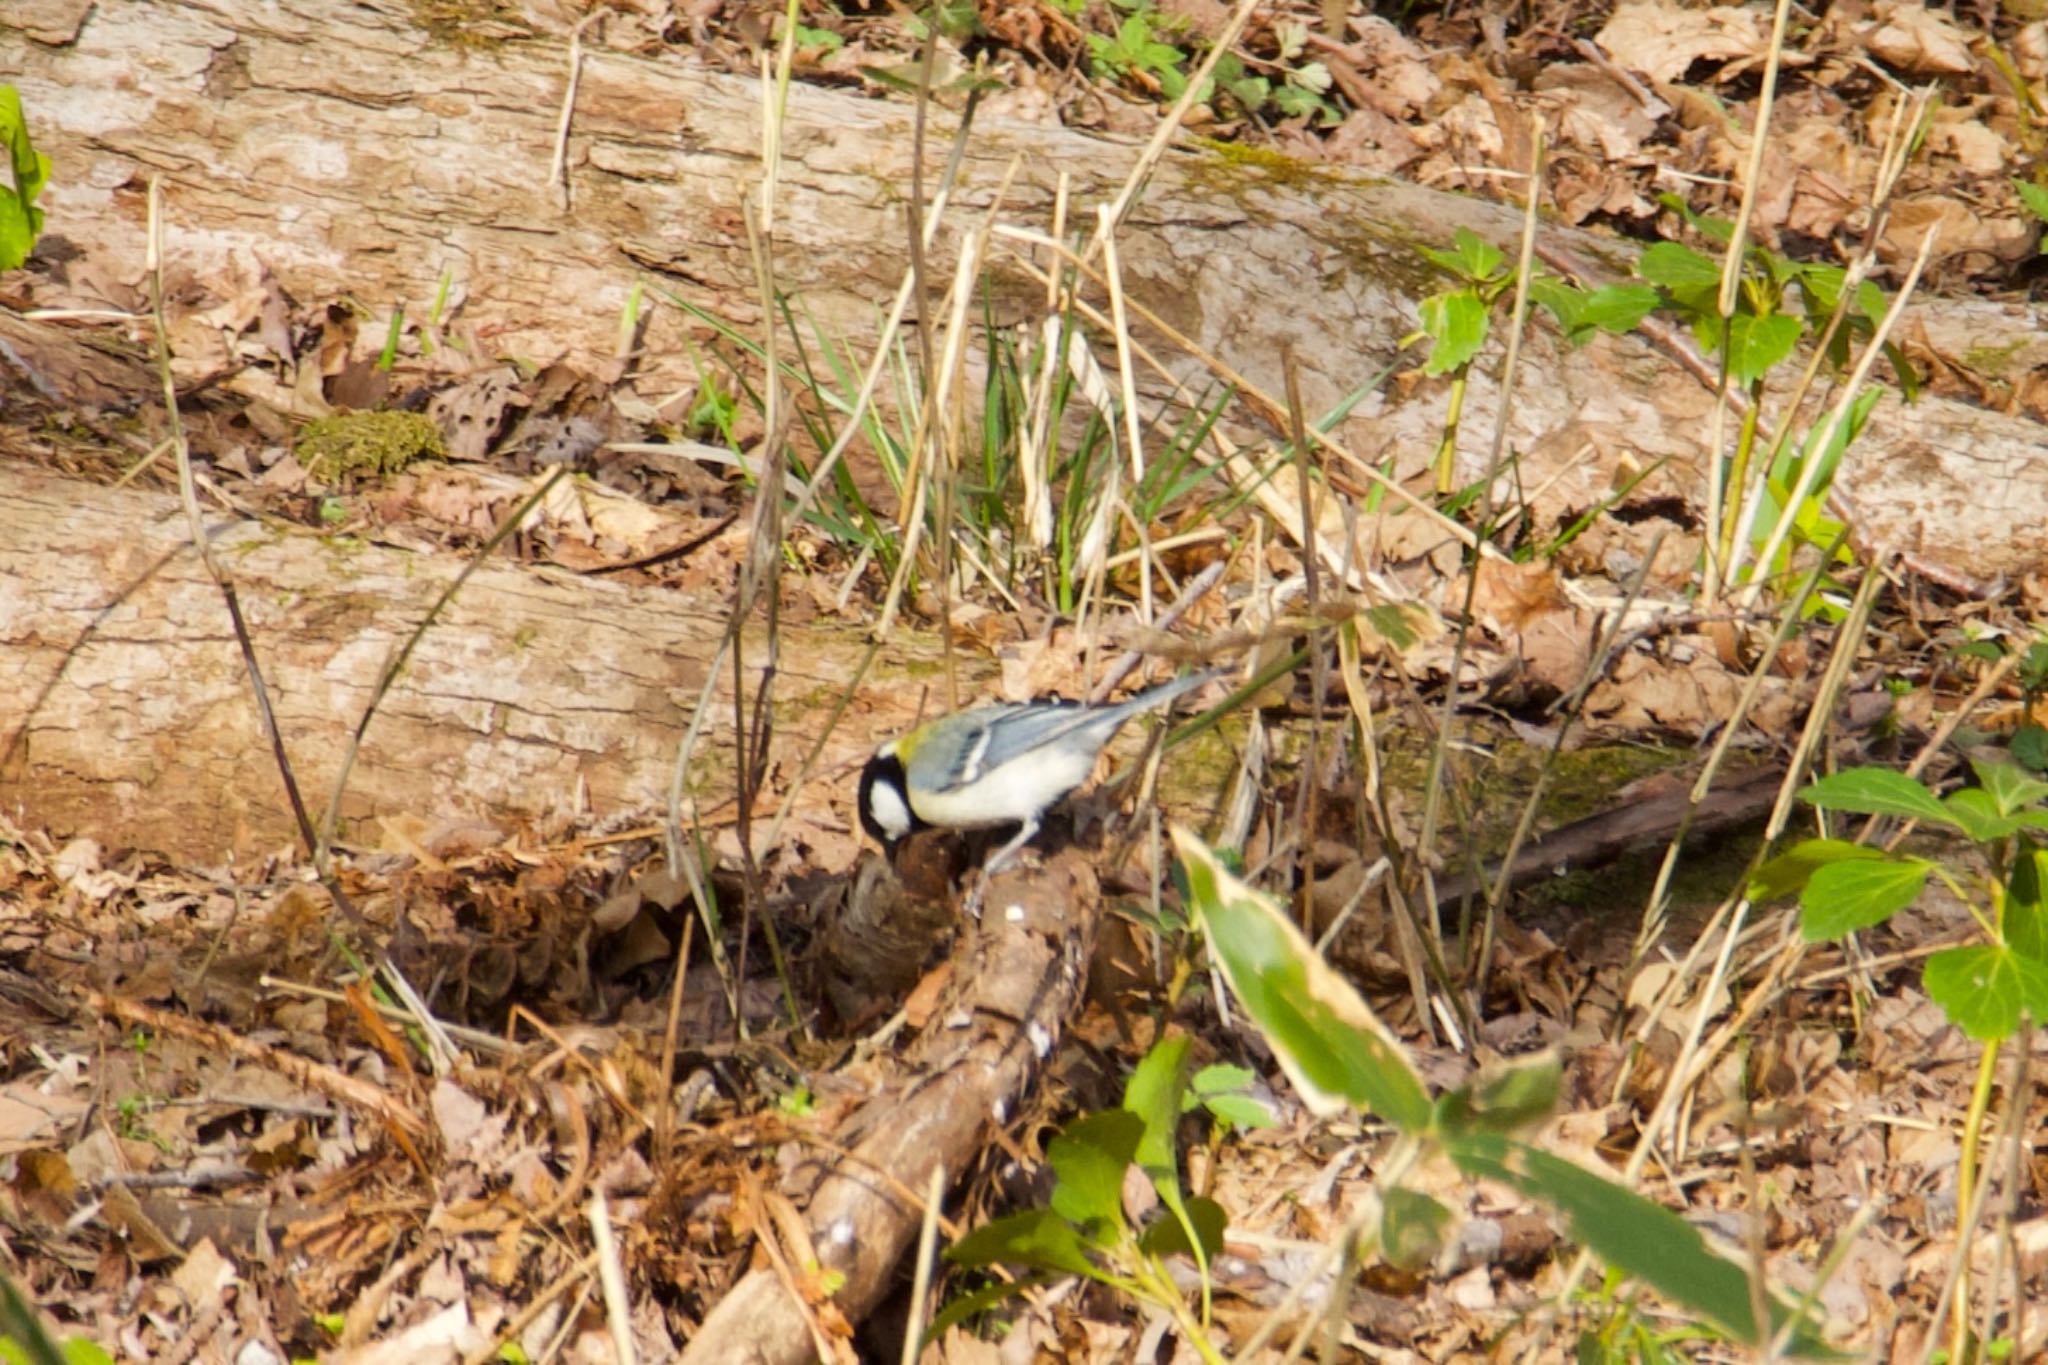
{"points": [[1876, 791], [1786, 468], [1632, 1234], [21, 222], [1983, 988], [1456, 325], [1504, 1097], [1471, 258], [2030, 746], [2034, 198], [1678, 267], [1756, 344], [1787, 874], [1154, 1095], [1240, 1111], [1975, 811], [1413, 1228], [1619, 308], [1169, 1236], [1089, 1159], [1327, 1039], [981, 1300], [1038, 1238], [2011, 786], [2024, 927], [1719, 231], [1225, 1091], [1846, 896], [1566, 302]]}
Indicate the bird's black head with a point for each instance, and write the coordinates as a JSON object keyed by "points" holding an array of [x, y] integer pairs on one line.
{"points": [[884, 802]]}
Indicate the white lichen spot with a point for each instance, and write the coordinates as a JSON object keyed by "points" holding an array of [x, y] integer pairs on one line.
{"points": [[1041, 1039]]}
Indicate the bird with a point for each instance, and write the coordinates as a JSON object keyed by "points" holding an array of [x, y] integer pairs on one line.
{"points": [[1003, 764]]}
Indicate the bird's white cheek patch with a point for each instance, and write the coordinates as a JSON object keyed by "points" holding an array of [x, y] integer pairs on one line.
{"points": [[885, 803]]}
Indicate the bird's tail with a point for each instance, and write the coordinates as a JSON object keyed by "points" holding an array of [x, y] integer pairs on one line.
{"points": [[1165, 692]]}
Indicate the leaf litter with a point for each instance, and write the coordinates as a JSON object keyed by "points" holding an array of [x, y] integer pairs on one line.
{"points": [[256, 1153]]}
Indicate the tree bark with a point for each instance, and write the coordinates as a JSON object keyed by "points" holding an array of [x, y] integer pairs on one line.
{"points": [[126, 712], [352, 153]]}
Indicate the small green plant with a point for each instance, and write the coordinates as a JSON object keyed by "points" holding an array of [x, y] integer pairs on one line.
{"points": [[1341, 1058], [1456, 321], [1844, 887], [21, 222], [1984, 987], [1778, 301], [1625, 1337], [1136, 49], [1084, 1229]]}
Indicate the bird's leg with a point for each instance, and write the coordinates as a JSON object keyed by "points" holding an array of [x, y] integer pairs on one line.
{"points": [[996, 862]]}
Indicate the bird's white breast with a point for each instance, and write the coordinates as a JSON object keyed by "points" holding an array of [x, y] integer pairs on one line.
{"points": [[1016, 791]]}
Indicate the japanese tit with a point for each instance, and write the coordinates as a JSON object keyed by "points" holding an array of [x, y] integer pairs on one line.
{"points": [[995, 765]]}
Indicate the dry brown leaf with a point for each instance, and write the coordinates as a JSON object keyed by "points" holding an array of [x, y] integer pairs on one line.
{"points": [[1981, 149], [1661, 40], [1918, 41], [472, 411], [1957, 230]]}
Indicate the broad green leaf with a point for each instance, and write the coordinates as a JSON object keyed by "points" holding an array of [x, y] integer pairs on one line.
{"points": [[1220, 1078], [2011, 786], [1983, 988], [1975, 812], [1332, 1047], [1456, 326], [1619, 307], [1505, 1097], [1633, 1235], [1038, 1238], [1471, 258], [1153, 1093], [1756, 344], [1822, 287], [2025, 926], [1240, 1111], [1787, 874], [1844, 897], [1088, 1159], [1566, 302], [1876, 791], [2030, 746], [1676, 266], [1225, 1091], [1169, 1236]]}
